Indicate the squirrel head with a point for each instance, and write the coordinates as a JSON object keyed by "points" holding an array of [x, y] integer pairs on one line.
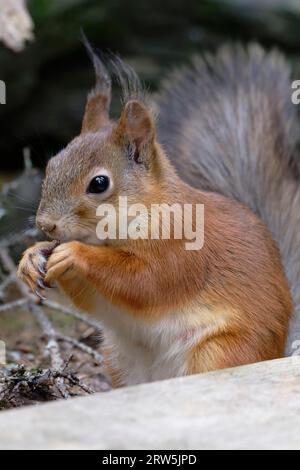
{"points": [[106, 161]]}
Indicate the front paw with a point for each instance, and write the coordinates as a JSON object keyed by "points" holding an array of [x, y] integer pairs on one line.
{"points": [[64, 263], [32, 267]]}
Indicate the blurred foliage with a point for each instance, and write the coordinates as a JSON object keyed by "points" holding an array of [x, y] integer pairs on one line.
{"points": [[47, 84]]}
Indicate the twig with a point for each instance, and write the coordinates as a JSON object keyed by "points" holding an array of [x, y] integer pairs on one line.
{"points": [[27, 386], [85, 388], [74, 380], [83, 347], [13, 305], [73, 313]]}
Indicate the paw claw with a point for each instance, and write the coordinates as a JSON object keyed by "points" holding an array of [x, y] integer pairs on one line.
{"points": [[41, 270], [41, 284], [39, 295]]}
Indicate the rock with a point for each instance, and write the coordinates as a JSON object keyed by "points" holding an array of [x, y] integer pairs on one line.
{"points": [[251, 407]]}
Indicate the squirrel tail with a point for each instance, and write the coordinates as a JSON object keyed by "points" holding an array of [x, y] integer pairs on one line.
{"points": [[229, 125]]}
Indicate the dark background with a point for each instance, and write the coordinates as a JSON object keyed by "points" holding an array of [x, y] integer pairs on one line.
{"points": [[47, 83]]}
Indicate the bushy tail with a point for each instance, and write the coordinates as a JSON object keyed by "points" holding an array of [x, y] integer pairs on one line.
{"points": [[228, 124]]}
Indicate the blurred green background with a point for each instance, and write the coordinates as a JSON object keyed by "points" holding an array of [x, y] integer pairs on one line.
{"points": [[47, 82]]}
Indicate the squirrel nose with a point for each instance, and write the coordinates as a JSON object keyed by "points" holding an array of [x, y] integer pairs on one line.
{"points": [[48, 227]]}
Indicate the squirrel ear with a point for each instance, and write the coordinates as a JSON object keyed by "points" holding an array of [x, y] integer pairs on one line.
{"points": [[136, 125], [95, 115], [97, 107]]}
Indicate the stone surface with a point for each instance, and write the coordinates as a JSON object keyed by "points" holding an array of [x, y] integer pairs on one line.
{"points": [[252, 407]]}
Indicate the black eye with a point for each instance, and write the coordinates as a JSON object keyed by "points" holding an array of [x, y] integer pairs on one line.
{"points": [[99, 184]]}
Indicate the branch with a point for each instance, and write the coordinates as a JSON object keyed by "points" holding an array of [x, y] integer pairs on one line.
{"points": [[73, 313], [82, 347], [13, 305], [74, 380]]}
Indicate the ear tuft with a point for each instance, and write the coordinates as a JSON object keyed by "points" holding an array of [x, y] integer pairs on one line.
{"points": [[98, 102]]}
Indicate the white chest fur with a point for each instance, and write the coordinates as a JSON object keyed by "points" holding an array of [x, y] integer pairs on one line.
{"points": [[145, 351]]}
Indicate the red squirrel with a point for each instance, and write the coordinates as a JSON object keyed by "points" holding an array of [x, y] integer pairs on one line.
{"points": [[167, 311]]}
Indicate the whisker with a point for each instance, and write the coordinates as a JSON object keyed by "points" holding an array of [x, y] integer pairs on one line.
{"points": [[10, 195], [25, 209]]}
